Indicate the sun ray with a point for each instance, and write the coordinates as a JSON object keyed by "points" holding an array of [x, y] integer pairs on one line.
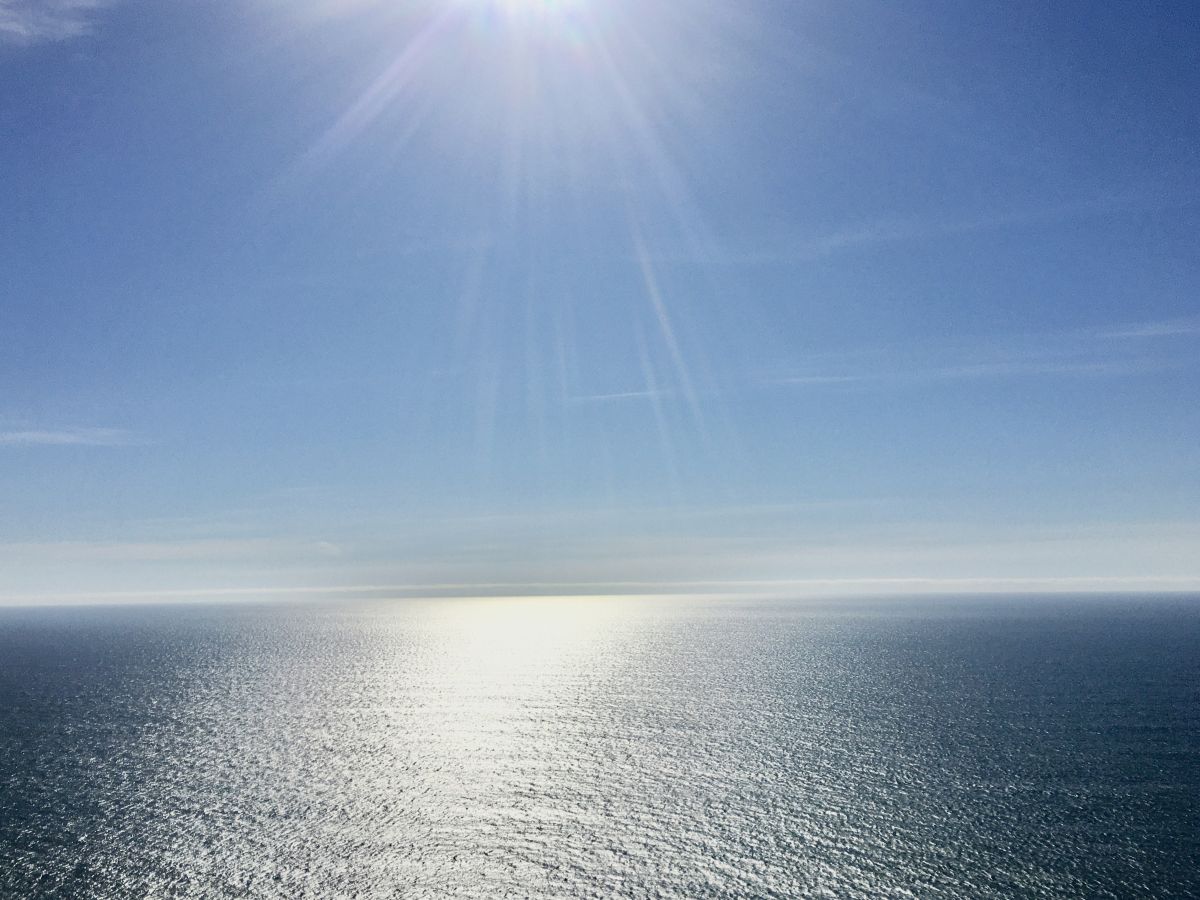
{"points": [[663, 319], [385, 91]]}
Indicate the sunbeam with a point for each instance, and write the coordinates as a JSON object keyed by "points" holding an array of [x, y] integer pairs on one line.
{"points": [[550, 97]]}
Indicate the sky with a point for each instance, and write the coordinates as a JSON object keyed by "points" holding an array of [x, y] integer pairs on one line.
{"points": [[549, 296]]}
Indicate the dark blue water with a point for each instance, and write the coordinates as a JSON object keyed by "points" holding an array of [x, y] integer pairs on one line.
{"points": [[1035, 747]]}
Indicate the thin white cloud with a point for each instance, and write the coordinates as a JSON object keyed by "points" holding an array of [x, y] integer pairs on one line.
{"points": [[823, 241], [823, 380], [1183, 327], [621, 395], [204, 549], [1088, 353], [1017, 368], [37, 21], [66, 437], [975, 372]]}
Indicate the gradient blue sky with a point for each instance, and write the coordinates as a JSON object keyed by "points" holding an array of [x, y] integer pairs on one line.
{"points": [[627, 294]]}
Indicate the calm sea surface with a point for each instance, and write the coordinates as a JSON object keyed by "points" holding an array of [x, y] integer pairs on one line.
{"points": [[958, 748]]}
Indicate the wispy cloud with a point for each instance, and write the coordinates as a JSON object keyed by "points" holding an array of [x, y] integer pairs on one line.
{"points": [[1182, 327], [64, 437], [204, 550], [36, 21], [821, 241], [978, 371], [1091, 353], [620, 395]]}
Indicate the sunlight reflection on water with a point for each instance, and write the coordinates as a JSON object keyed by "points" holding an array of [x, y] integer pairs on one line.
{"points": [[600, 747]]}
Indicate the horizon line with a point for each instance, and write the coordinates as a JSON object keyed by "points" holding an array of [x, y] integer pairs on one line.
{"points": [[836, 588]]}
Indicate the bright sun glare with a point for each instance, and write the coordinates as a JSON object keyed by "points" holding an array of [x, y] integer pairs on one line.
{"points": [[531, 8]]}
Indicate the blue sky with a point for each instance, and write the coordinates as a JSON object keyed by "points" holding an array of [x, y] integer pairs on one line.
{"points": [[597, 294]]}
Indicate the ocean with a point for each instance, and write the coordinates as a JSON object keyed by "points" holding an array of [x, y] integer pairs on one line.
{"points": [[948, 747]]}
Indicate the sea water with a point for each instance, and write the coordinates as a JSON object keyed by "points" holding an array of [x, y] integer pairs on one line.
{"points": [[599, 747]]}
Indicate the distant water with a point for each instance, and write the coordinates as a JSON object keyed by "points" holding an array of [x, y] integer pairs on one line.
{"points": [[957, 748]]}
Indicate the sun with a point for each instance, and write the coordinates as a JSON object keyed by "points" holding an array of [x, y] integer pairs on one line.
{"points": [[532, 10], [544, 6]]}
